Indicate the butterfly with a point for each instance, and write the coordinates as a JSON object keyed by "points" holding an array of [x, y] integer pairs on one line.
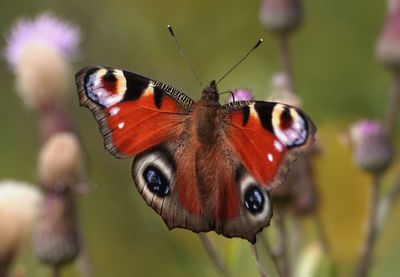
{"points": [[200, 165]]}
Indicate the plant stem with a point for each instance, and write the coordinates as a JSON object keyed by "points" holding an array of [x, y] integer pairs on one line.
{"points": [[286, 60], [282, 243], [213, 255], [56, 270], [319, 227], [257, 258], [274, 257], [372, 228], [393, 106]]}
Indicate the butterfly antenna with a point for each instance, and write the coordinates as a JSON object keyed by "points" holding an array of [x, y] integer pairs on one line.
{"points": [[230, 92], [171, 31], [241, 60]]}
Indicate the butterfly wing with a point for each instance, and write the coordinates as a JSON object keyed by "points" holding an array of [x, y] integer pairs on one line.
{"points": [[134, 113], [266, 137]]}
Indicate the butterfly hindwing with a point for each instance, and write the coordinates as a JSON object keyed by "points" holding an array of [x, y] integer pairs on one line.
{"points": [[202, 189], [134, 112]]}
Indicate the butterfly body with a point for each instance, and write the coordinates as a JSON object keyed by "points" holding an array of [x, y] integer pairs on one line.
{"points": [[201, 165]]}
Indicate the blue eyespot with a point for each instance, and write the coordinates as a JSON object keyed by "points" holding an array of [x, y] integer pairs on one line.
{"points": [[254, 199], [156, 181]]}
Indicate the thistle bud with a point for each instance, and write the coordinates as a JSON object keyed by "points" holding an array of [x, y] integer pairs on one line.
{"points": [[19, 209], [388, 46], [56, 236], [281, 16], [61, 162], [372, 150]]}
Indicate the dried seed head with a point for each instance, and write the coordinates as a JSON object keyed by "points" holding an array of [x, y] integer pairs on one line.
{"points": [[281, 16], [61, 162], [372, 150]]}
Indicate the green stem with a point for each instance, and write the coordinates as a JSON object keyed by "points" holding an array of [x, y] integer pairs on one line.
{"points": [[286, 60], [260, 268], [372, 229], [212, 253]]}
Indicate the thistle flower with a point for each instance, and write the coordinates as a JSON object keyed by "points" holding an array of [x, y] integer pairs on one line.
{"points": [[372, 150], [38, 52], [388, 46], [240, 95], [281, 16], [19, 208], [56, 237]]}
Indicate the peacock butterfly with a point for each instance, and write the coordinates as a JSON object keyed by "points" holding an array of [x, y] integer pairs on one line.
{"points": [[200, 165]]}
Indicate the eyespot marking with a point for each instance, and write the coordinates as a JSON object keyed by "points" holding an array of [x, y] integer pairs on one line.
{"points": [[254, 199], [156, 182], [289, 125], [106, 87]]}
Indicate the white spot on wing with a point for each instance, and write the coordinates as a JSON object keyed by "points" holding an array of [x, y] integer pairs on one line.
{"points": [[121, 125], [270, 157], [278, 146], [115, 110]]}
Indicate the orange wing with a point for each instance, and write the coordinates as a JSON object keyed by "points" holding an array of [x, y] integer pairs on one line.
{"points": [[134, 112], [266, 136]]}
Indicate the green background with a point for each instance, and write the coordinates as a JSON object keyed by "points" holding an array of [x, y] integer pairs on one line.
{"points": [[336, 75]]}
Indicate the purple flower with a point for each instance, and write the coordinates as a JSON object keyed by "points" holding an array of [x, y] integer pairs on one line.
{"points": [[365, 128], [44, 29], [240, 95]]}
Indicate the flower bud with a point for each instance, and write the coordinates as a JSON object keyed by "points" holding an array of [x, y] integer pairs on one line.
{"points": [[388, 46], [56, 237], [281, 16], [19, 209], [61, 162], [372, 150]]}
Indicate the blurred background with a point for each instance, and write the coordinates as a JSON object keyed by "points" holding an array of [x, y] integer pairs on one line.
{"points": [[335, 73]]}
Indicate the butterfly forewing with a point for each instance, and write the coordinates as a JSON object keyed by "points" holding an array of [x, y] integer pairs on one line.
{"points": [[266, 137], [134, 112]]}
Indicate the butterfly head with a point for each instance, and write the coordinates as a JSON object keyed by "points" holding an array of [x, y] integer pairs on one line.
{"points": [[210, 94]]}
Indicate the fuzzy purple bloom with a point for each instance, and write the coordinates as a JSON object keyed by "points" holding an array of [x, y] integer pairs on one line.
{"points": [[241, 95], [366, 128], [45, 29]]}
